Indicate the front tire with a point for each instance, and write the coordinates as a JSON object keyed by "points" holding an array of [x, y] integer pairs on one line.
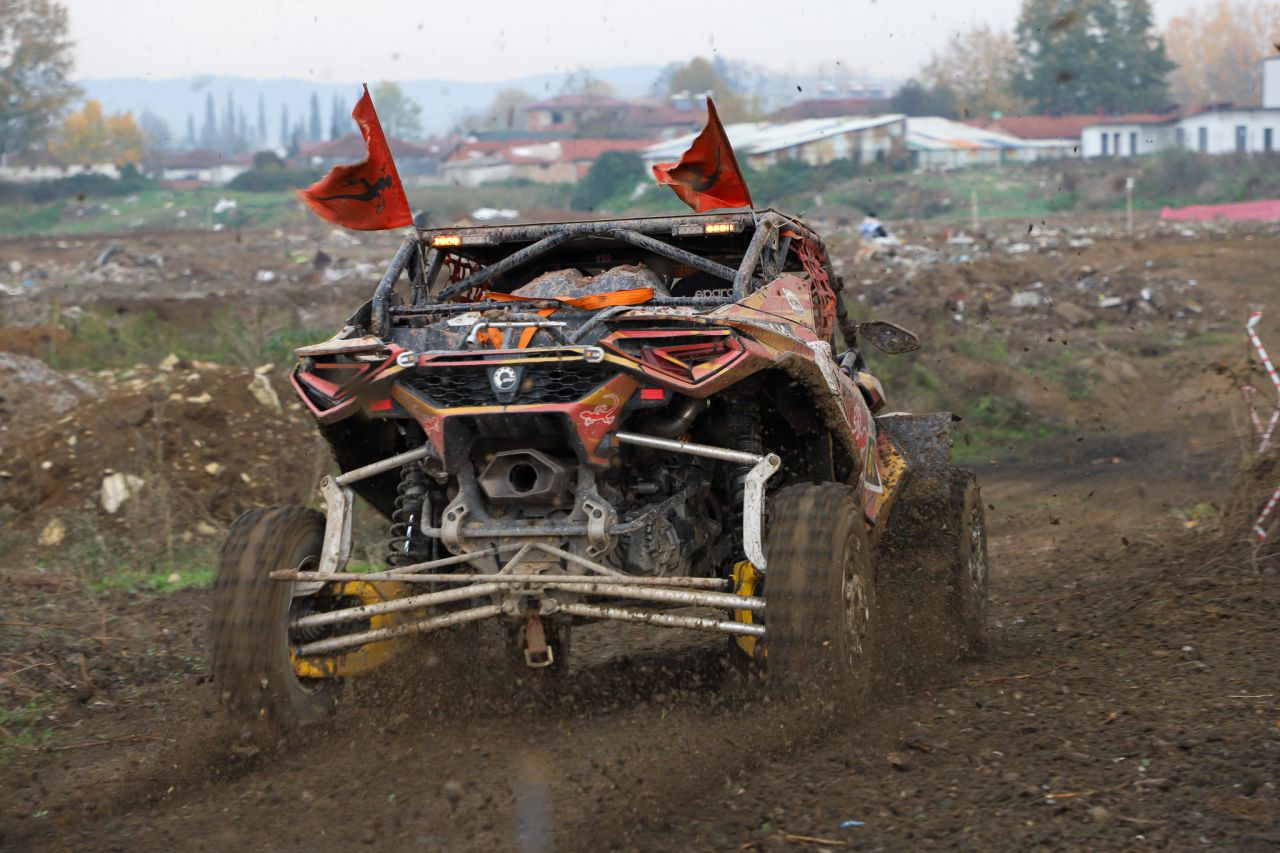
{"points": [[252, 668], [820, 593]]}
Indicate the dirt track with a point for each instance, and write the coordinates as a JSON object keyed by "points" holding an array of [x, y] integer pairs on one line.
{"points": [[1129, 698]]}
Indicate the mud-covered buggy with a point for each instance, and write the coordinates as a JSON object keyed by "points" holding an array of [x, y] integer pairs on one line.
{"points": [[664, 421]]}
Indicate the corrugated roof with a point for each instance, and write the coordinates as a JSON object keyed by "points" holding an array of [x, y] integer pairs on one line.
{"points": [[933, 133], [353, 148], [1038, 127], [761, 137], [535, 151], [1135, 118]]}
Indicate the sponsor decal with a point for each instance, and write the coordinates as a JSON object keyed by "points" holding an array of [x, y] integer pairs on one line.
{"points": [[605, 413]]}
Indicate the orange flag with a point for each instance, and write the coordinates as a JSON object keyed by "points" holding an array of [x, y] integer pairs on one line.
{"points": [[364, 196], [707, 176]]}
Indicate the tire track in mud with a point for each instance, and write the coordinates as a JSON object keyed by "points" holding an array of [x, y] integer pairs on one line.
{"points": [[641, 727]]}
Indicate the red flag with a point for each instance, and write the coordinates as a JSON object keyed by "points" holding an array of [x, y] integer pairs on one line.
{"points": [[707, 175], [364, 196]]}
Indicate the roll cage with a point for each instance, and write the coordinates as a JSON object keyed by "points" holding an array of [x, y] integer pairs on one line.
{"points": [[452, 270]]}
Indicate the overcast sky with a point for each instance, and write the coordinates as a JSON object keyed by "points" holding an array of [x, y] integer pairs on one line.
{"points": [[499, 39]]}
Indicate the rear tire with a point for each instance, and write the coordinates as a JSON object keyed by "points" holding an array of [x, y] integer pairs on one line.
{"points": [[820, 592], [967, 593], [252, 669]]}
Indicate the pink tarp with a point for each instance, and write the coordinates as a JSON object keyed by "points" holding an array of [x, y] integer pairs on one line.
{"points": [[1263, 209]]}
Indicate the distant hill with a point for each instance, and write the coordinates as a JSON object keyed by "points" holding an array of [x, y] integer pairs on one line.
{"points": [[443, 101]]}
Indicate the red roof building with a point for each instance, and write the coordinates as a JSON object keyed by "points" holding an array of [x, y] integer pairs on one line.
{"points": [[541, 161]]}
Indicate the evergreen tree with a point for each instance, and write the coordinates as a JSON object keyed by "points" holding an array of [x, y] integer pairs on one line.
{"points": [[337, 118], [284, 126], [228, 135], [313, 124], [261, 138], [914, 99], [190, 140], [1146, 73], [209, 130], [1082, 56]]}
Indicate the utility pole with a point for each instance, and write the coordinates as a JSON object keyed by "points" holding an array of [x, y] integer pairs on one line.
{"points": [[1128, 203]]}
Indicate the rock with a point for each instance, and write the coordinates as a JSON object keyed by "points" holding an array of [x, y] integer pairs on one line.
{"points": [[168, 363], [106, 255], [1110, 302], [1073, 314], [204, 528], [452, 792], [54, 532], [262, 391], [264, 276], [1027, 299], [118, 488], [200, 400], [1098, 814], [214, 468]]}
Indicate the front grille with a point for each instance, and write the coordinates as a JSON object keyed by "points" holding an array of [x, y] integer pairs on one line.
{"points": [[469, 385]]}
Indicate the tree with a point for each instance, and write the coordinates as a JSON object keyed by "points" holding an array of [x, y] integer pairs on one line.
{"points": [[697, 77], [35, 60], [88, 137], [284, 126], [400, 115], [914, 99], [156, 135], [261, 137], [1218, 51], [581, 81], [506, 112], [1082, 56], [314, 126], [977, 66], [337, 118], [613, 173], [209, 130]]}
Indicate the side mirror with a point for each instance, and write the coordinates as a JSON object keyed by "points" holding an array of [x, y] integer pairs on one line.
{"points": [[888, 337]]}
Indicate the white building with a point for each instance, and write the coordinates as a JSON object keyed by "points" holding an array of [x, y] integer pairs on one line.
{"points": [[814, 141], [1231, 131], [1212, 130], [1129, 135], [939, 143]]}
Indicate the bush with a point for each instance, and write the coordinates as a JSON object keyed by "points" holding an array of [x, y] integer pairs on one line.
{"points": [[76, 186], [612, 174], [271, 180]]}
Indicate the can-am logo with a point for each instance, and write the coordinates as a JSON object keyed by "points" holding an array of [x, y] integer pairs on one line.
{"points": [[504, 379]]}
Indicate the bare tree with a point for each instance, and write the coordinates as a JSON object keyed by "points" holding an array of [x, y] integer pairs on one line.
{"points": [[1218, 50]]}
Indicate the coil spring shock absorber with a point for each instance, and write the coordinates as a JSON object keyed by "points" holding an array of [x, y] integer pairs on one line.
{"points": [[410, 497]]}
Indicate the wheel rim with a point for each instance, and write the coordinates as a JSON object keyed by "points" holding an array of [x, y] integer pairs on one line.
{"points": [[857, 612]]}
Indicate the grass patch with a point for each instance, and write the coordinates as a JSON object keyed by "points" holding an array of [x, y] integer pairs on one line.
{"points": [[100, 342], [995, 426], [22, 729]]}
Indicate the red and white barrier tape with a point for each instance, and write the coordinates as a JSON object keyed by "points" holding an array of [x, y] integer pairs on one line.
{"points": [[1269, 429], [1248, 392], [1254, 318]]}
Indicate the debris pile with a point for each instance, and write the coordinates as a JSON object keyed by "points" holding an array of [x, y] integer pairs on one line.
{"points": [[198, 441]]}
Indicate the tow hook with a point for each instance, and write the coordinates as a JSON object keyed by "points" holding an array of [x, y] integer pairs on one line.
{"points": [[537, 654]]}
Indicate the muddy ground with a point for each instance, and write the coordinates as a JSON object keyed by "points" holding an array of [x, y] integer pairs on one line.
{"points": [[1128, 698]]}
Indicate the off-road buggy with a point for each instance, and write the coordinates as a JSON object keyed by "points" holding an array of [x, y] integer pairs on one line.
{"points": [[665, 421]]}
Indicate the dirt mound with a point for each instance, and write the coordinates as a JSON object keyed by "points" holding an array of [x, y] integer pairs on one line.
{"points": [[31, 391], [194, 445], [31, 341]]}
